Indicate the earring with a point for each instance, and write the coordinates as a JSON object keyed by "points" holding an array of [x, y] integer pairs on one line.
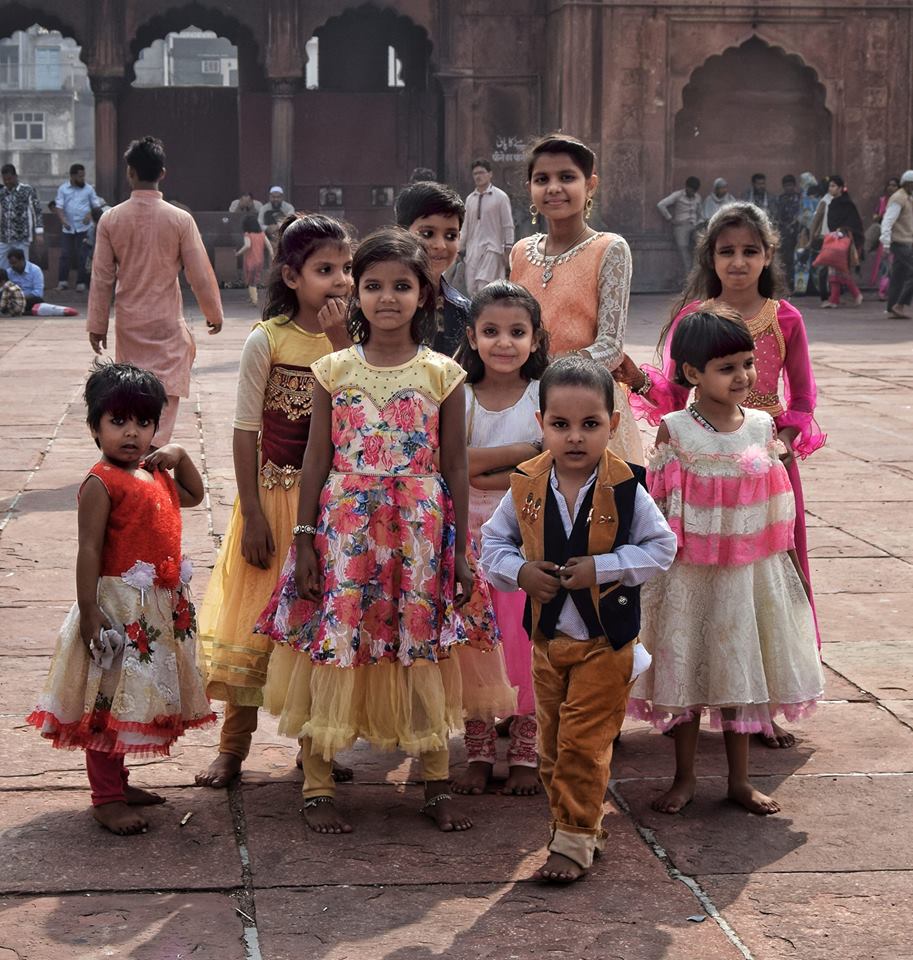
{"points": [[533, 214], [588, 208]]}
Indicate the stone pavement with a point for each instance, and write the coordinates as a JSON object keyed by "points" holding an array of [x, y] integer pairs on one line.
{"points": [[245, 879]]}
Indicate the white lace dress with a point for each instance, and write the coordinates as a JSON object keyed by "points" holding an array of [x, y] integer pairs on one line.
{"points": [[729, 625]]}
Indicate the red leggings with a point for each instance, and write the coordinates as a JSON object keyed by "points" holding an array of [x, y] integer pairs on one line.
{"points": [[107, 777]]}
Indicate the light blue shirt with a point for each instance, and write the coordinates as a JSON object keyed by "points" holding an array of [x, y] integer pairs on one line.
{"points": [[76, 203], [30, 281]]}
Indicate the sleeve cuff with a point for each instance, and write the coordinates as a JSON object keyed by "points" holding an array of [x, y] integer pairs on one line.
{"points": [[606, 568]]}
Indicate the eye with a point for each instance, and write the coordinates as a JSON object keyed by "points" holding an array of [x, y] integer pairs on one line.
{"points": [[591, 424], [518, 332], [426, 234], [371, 285], [558, 424], [118, 421], [489, 331], [347, 268], [451, 236], [144, 422], [403, 286]]}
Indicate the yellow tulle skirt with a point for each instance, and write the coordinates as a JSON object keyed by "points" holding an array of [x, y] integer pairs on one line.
{"points": [[233, 658]]}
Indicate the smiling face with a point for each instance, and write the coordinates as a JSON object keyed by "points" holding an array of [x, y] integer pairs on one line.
{"points": [[124, 440], [503, 336], [576, 427], [738, 259], [558, 187], [440, 234], [325, 275], [724, 380], [389, 293]]}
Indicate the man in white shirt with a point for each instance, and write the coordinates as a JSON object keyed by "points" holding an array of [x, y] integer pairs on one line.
{"points": [[897, 236], [75, 201], [684, 210], [488, 230], [273, 213]]}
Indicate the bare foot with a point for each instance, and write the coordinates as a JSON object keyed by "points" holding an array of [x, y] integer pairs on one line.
{"points": [[473, 780], [677, 797], [752, 800], [222, 772], [141, 798], [120, 819], [341, 774], [326, 818], [559, 869], [522, 781], [444, 812], [782, 739]]}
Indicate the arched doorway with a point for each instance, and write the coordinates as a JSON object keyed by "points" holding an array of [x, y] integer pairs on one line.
{"points": [[367, 117], [751, 109]]}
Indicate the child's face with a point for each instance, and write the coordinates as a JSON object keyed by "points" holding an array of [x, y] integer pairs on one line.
{"points": [[576, 428], [558, 187], [324, 276], [504, 338], [124, 440], [724, 380], [440, 235], [738, 259], [390, 294]]}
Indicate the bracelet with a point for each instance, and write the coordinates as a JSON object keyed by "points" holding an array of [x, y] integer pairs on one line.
{"points": [[646, 386], [307, 528]]}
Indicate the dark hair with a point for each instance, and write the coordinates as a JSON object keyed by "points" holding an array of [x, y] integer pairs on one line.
{"points": [[76, 168], [301, 235], [835, 178], [8, 168], [712, 331], [147, 157], [428, 199], [422, 173], [758, 176], [250, 224], [123, 390], [703, 282], [15, 252], [509, 295], [574, 371], [789, 178], [577, 150], [4, 276], [693, 183], [481, 162], [394, 244]]}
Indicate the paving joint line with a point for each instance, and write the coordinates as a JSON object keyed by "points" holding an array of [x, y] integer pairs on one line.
{"points": [[248, 910]]}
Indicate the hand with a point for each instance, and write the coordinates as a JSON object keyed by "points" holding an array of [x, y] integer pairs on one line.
{"points": [[214, 326], [579, 573], [628, 373], [786, 437], [307, 572], [464, 579], [539, 580], [332, 319], [98, 341], [91, 622], [167, 457], [257, 544]]}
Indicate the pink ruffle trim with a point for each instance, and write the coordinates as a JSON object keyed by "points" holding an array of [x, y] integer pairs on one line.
{"points": [[665, 396], [810, 436], [750, 718], [716, 491], [732, 551]]}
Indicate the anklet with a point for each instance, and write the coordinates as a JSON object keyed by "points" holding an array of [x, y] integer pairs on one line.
{"points": [[312, 802], [434, 801]]}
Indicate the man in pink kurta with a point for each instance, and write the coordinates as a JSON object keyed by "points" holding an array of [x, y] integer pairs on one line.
{"points": [[140, 248]]}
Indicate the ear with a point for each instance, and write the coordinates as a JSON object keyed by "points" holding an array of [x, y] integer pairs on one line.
{"points": [[692, 374], [164, 174], [591, 185], [613, 422], [289, 277], [539, 418]]}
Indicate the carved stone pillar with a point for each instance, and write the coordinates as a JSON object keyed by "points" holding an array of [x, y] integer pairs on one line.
{"points": [[107, 92], [282, 91]]}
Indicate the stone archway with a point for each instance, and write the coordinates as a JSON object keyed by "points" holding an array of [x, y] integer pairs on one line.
{"points": [[753, 108]]}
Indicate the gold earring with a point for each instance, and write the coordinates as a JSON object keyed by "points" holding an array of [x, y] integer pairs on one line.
{"points": [[533, 214], [588, 208]]}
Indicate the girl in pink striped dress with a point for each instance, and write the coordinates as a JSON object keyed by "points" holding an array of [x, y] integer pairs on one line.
{"points": [[730, 626]]}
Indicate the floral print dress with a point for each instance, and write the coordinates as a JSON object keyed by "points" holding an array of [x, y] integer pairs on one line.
{"points": [[152, 691]]}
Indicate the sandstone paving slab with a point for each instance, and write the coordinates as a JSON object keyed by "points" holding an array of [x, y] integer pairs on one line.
{"points": [[851, 617], [884, 525], [819, 916], [121, 926], [822, 483], [902, 709], [883, 667], [21, 454], [861, 576], [53, 845], [828, 541], [30, 583], [827, 824], [21, 680], [837, 687], [629, 909], [31, 631]]}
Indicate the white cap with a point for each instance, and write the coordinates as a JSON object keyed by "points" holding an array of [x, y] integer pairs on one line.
{"points": [[276, 190], [720, 182], [906, 176]]}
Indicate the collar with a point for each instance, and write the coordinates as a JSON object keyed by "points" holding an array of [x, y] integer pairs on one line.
{"points": [[489, 189], [610, 471]]}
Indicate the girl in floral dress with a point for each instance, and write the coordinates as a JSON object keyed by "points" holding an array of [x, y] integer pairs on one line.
{"points": [[124, 678], [366, 609], [729, 625]]}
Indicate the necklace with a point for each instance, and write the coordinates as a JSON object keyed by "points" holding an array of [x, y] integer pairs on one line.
{"points": [[552, 261], [703, 421]]}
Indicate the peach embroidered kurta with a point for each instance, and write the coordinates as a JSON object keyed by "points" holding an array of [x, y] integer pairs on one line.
{"points": [[141, 247]]}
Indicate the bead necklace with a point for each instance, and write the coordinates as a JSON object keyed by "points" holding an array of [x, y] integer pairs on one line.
{"points": [[702, 420], [551, 261]]}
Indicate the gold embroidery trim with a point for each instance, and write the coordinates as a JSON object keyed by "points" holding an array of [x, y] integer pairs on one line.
{"points": [[768, 402], [766, 321], [289, 391], [273, 476]]}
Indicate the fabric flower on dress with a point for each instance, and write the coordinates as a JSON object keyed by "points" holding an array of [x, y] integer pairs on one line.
{"points": [[186, 574], [141, 576], [168, 573], [755, 460]]}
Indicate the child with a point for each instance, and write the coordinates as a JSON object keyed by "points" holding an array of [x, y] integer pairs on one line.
{"points": [[303, 320], [124, 677], [256, 249], [579, 534], [364, 613], [737, 265], [729, 626], [434, 212], [504, 352]]}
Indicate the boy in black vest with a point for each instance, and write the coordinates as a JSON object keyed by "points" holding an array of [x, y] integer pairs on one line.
{"points": [[579, 533]]}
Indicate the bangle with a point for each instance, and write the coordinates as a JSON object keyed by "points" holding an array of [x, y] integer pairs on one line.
{"points": [[646, 386], [307, 528]]}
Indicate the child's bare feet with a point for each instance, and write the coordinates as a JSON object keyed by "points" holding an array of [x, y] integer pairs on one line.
{"points": [[324, 817], [677, 797], [120, 819], [522, 781], [559, 869], [222, 772], [782, 739], [474, 779], [442, 809], [141, 798], [751, 799], [340, 774]]}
